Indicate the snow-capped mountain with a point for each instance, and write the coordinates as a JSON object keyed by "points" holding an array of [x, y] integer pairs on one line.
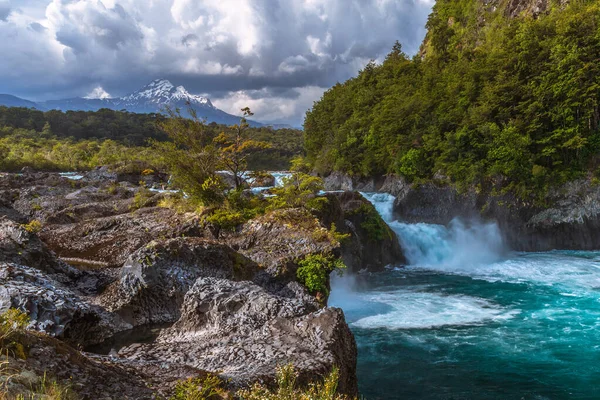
{"points": [[152, 98], [160, 93]]}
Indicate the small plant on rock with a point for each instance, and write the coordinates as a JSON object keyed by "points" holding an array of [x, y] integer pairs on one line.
{"points": [[34, 226], [314, 271], [287, 388], [209, 388]]}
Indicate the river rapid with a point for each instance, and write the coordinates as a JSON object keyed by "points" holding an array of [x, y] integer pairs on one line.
{"points": [[468, 319]]}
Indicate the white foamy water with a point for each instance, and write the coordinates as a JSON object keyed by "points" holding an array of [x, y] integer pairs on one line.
{"points": [[573, 271], [458, 244], [419, 310]]}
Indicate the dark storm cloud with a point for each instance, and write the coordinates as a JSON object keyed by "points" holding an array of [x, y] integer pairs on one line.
{"points": [[5, 10], [241, 50]]}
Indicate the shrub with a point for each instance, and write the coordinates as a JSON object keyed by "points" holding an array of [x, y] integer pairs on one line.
{"points": [[314, 271], [209, 388], [372, 223], [141, 198], [287, 388], [299, 190], [12, 322]]}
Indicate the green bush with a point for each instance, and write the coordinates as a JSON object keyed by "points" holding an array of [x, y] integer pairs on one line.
{"points": [[141, 198], [287, 388], [299, 190], [208, 388], [314, 270]]}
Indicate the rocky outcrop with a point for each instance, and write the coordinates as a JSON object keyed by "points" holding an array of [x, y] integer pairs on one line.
{"points": [[20, 246], [570, 219], [111, 240], [53, 307], [341, 181], [263, 180], [245, 332], [278, 239], [233, 307], [48, 359], [372, 245], [155, 279]]}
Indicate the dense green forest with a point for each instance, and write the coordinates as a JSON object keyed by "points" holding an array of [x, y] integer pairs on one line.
{"points": [[494, 100], [80, 140]]}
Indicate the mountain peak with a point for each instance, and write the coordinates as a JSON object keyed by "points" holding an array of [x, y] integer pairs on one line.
{"points": [[163, 92], [164, 84]]}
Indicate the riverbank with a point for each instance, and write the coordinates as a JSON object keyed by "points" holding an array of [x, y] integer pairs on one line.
{"points": [[94, 266]]}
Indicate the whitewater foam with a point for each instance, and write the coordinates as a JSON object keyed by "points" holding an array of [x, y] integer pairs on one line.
{"points": [[421, 310]]}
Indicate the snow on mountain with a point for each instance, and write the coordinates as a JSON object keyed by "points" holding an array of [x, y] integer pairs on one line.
{"points": [[155, 97], [162, 92]]}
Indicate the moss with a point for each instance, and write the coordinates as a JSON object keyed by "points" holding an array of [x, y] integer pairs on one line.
{"points": [[372, 222]]}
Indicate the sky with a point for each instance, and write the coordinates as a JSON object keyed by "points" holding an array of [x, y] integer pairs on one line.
{"points": [[275, 56]]}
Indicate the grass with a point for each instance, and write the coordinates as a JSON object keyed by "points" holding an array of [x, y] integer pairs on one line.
{"points": [[208, 388], [13, 325], [287, 388]]}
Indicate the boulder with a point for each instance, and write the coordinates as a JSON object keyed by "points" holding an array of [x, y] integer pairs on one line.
{"points": [[54, 308], [111, 240], [155, 278], [278, 239], [20, 246], [245, 333], [263, 180], [372, 245]]}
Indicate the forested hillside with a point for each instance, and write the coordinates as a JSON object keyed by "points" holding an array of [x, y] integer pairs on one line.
{"points": [[503, 94], [76, 140]]}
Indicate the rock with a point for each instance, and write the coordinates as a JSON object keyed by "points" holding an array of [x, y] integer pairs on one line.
{"points": [[100, 174], [278, 239], [372, 244], [87, 377], [112, 239], [229, 180], [338, 181], [245, 332], [433, 204], [54, 308], [263, 180], [19, 246], [155, 279]]}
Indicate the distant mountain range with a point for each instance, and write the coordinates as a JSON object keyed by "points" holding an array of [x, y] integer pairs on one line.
{"points": [[152, 98]]}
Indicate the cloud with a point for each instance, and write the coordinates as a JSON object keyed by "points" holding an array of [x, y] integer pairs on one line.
{"points": [[273, 106], [5, 10], [241, 48], [98, 93]]}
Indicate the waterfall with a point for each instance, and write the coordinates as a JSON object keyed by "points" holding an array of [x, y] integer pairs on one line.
{"points": [[458, 244]]}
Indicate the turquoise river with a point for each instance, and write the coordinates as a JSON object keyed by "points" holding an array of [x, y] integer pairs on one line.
{"points": [[468, 319]]}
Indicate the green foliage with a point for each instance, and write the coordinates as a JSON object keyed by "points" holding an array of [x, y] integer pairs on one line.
{"points": [[235, 148], [209, 388], [300, 164], [34, 226], [372, 222], [314, 271], [299, 190], [82, 140], [190, 157], [141, 198], [509, 102], [12, 322], [287, 388]]}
